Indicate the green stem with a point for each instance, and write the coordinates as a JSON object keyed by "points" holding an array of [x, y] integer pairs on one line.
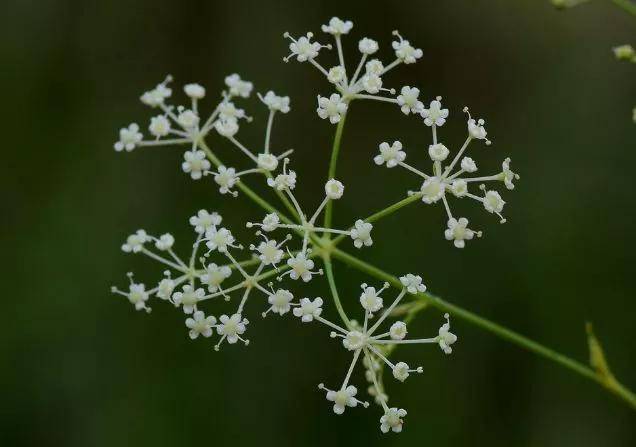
{"points": [[334, 291], [502, 332], [335, 150], [626, 5]]}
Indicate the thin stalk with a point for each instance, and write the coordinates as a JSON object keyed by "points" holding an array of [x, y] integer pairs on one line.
{"points": [[334, 291], [335, 150], [616, 388], [626, 5]]}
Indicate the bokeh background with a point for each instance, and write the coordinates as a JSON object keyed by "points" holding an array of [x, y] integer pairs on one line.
{"points": [[79, 367]]}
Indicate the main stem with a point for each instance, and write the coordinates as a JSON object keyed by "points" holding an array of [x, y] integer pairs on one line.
{"points": [[335, 150]]}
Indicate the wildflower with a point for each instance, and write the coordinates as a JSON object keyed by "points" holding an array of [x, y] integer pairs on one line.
{"points": [[280, 302], [188, 298], [226, 178], [204, 220], [445, 337], [458, 232], [226, 127], [199, 324], [275, 102], [219, 239], [303, 48], [390, 155], [343, 398], [229, 112], [129, 138], [214, 275], [407, 99], [368, 46], [308, 309], [404, 51], [361, 234], [165, 242], [135, 242], [231, 329], [337, 26], [333, 108], [413, 283], [334, 189], [195, 164], [625, 53], [237, 86], [435, 115], [159, 126], [336, 74], [392, 420]]}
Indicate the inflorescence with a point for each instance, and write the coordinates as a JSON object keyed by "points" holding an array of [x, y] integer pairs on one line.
{"points": [[201, 278]]}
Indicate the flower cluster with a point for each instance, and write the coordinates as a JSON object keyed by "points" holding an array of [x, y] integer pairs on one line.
{"points": [[443, 179]]}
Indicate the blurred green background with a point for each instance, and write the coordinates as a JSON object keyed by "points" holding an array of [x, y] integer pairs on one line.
{"points": [[81, 368]]}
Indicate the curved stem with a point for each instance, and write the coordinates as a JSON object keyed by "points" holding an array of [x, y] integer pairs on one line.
{"points": [[334, 291], [335, 151], [616, 388]]}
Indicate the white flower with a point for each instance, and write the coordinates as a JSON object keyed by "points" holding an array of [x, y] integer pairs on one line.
{"points": [[408, 101], [432, 190], [135, 242], [188, 298], [438, 152], [165, 288], [269, 252], [270, 222], [401, 371], [195, 164], [194, 91], [476, 129], [237, 86], [493, 202], [361, 234], [283, 181], [300, 267], [372, 83], [459, 188], [508, 175], [404, 51], [445, 337], [218, 239], [200, 325], [392, 420], [391, 155], [367, 46], [231, 327], [412, 283], [204, 220], [226, 128], [267, 162], [458, 232], [138, 296], [336, 74], [276, 103], [334, 189], [229, 112], [159, 126], [214, 276], [370, 299], [435, 115], [226, 179], [308, 309], [129, 137], [280, 301], [625, 52], [165, 242], [155, 97], [333, 108], [188, 119], [303, 48], [398, 330], [337, 27], [343, 398], [374, 66], [468, 165]]}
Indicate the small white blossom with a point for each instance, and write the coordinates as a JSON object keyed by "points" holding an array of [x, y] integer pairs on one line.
{"points": [[226, 179], [412, 283], [276, 103], [303, 48], [435, 115], [188, 298], [336, 74], [476, 129], [159, 126], [438, 152], [401, 371], [188, 119], [404, 51], [138, 296], [625, 52], [267, 162], [445, 337], [214, 276], [508, 175], [269, 252], [432, 190], [337, 26], [231, 328], [398, 330], [361, 234], [333, 108], [458, 232], [270, 222], [300, 267], [229, 112], [308, 309], [370, 299], [158, 95], [194, 91], [372, 83], [226, 128], [392, 420], [204, 220], [237, 86], [334, 189], [218, 239], [165, 288], [165, 242], [408, 100], [343, 398], [195, 163], [280, 301], [135, 242], [374, 66], [129, 138], [199, 324], [391, 155], [493, 202], [283, 181], [468, 165], [459, 188], [367, 46]]}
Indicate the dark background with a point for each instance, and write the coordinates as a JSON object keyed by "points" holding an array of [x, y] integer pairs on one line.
{"points": [[79, 367]]}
